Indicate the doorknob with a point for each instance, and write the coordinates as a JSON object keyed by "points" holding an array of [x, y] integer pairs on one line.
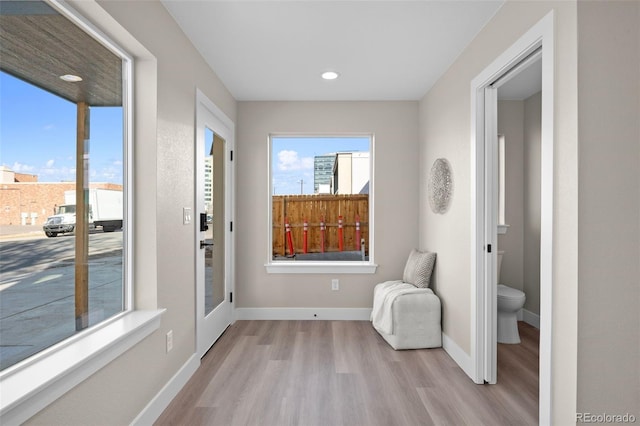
{"points": [[203, 244]]}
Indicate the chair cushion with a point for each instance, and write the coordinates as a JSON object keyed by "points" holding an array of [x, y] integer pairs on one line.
{"points": [[419, 267]]}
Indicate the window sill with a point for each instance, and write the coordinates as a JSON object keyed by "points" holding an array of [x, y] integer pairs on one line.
{"points": [[301, 267], [502, 229], [30, 386]]}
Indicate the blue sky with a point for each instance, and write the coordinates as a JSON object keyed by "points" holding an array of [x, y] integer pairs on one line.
{"points": [[38, 135], [292, 159]]}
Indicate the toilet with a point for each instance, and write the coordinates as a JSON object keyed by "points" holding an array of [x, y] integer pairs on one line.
{"points": [[510, 301]]}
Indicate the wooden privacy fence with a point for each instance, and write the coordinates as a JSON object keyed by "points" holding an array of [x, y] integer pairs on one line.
{"points": [[316, 210]]}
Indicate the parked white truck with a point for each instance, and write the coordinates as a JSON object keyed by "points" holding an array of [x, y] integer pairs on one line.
{"points": [[105, 211]]}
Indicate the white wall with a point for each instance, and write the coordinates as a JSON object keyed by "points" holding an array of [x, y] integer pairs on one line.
{"points": [[609, 221], [168, 70], [359, 170], [445, 118], [395, 125], [343, 174]]}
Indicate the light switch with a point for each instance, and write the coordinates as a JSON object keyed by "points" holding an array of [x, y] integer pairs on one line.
{"points": [[186, 215]]}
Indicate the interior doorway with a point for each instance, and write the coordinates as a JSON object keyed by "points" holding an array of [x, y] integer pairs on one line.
{"points": [[518, 241], [214, 244], [536, 44]]}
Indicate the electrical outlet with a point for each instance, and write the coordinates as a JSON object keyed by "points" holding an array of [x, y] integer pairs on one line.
{"points": [[169, 340], [335, 284]]}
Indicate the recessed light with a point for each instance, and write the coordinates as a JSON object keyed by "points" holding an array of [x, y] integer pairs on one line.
{"points": [[330, 75], [71, 78]]}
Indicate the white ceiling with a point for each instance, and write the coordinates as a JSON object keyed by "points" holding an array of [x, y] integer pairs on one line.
{"points": [[383, 50], [526, 83]]}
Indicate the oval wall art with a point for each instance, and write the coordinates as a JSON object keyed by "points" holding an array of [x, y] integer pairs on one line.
{"points": [[440, 186]]}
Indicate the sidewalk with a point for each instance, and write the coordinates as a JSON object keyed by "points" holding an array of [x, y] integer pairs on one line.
{"points": [[37, 310], [20, 231], [327, 256], [37, 301]]}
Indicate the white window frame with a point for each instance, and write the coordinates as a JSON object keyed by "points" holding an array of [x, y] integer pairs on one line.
{"points": [[30, 385], [316, 266], [502, 161]]}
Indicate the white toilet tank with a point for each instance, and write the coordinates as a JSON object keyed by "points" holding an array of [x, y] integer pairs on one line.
{"points": [[500, 254]]}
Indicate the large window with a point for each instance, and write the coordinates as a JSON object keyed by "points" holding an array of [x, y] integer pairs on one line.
{"points": [[63, 215], [320, 200]]}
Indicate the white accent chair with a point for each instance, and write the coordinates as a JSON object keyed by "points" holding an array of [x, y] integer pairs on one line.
{"points": [[406, 313]]}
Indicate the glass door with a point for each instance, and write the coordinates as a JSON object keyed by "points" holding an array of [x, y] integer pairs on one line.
{"points": [[213, 228]]}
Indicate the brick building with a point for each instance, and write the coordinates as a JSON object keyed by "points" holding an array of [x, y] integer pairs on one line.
{"points": [[25, 201]]}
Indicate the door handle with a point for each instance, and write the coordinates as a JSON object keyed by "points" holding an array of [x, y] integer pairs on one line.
{"points": [[203, 244]]}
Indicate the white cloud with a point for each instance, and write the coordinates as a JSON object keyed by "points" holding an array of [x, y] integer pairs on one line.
{"points": [[21, 168], [111, 174], [50, 163], [57, 173], [289, 160]]}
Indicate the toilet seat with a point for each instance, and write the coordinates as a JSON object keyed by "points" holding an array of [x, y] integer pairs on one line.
{"points": [[505, 292]]}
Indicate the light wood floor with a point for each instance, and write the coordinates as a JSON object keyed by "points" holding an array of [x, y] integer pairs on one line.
{"points": [[330, 373]]}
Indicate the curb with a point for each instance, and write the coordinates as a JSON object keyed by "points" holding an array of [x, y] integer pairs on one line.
{"points": [[30, 234]]}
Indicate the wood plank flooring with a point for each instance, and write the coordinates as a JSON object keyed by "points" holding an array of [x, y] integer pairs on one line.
{"points": [[326, 373]]}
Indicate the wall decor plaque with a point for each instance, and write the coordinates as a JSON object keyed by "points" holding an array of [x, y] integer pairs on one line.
{"points": [[440, 186]]}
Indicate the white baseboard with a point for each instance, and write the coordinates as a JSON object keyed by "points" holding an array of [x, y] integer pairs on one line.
{"points": [[157, 405], [531, 318], [456, 353], [333, 314]]}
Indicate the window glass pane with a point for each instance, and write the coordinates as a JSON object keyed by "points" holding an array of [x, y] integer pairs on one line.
{"points": [[501, 180], [60, 273], [320, 198]]}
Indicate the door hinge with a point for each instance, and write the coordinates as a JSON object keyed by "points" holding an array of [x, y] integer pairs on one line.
{"points": [[231, 159], [230, 226], [230, 297], [488, 248]]}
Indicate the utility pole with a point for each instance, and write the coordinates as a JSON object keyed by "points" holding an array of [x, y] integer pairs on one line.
{"points": [[82, 217], [301, 183]]}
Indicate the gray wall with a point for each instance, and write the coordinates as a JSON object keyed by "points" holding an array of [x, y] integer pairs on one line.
{"points": [[520, 122], [531, 211], [609, 222], [395, 125], [445, 132]]}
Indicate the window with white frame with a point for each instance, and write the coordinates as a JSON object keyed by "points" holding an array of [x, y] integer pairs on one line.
{"points": [[64, 180], [320, 200], [501, 180], [102, 323]]}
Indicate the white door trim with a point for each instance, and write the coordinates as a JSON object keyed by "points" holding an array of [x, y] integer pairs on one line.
{"points": [[490, 236], [222, 125], [483, 332]]}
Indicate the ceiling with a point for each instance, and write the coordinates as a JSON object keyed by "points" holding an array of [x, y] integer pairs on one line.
{"points": [[38, 45], [383, 50], [526, 83]]}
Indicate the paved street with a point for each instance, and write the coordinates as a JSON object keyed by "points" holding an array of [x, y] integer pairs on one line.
{"points": [[37, 289], [31, 250]]}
